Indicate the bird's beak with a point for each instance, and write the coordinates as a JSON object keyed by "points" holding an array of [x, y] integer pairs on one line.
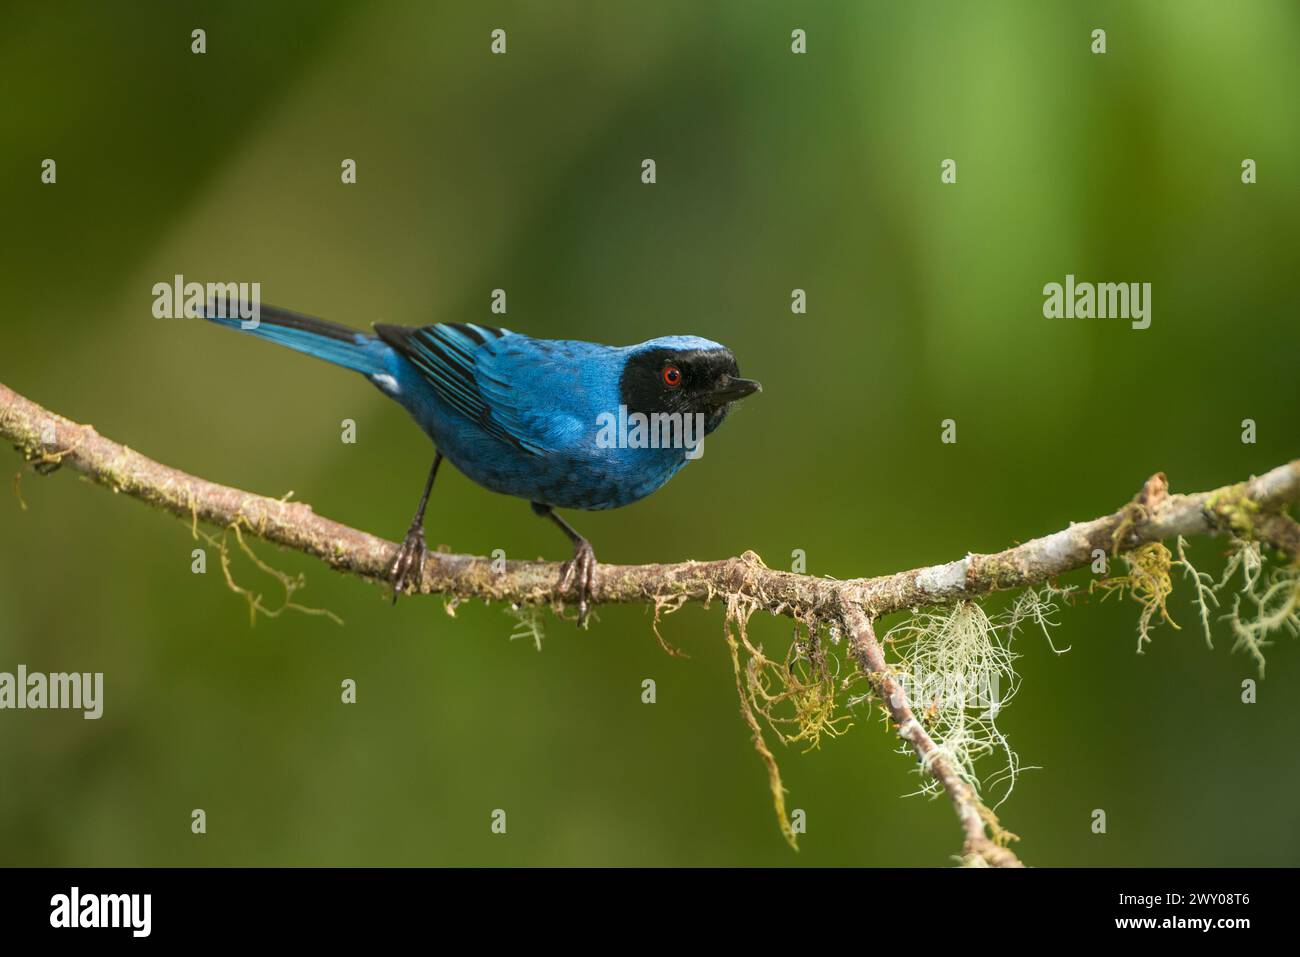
{"points": [[729, 389]]}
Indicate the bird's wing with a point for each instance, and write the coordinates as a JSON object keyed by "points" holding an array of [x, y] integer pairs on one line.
{"points": [[540, 389], [451, 357]]}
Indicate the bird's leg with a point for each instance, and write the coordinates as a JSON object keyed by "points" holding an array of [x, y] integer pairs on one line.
{"points": [[408, 566], [580, 570]]}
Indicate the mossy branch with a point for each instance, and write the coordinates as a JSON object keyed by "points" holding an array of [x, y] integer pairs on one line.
{"points": [[1253, 509]]}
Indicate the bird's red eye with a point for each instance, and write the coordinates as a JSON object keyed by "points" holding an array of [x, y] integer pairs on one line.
{"points": [[672, 376]]}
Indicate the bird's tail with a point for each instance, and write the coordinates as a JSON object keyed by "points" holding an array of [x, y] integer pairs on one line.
{"points": [[326, 340]]}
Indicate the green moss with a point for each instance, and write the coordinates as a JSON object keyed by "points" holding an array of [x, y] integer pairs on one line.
{"points": [[1148, 582], [1234, 510]]}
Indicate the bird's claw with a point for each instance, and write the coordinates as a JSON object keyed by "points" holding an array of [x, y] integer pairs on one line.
{"points": [[580, 573], [407, 570]]}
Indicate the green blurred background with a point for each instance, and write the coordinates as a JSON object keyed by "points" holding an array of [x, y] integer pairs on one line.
{"points": [[522, 171]]}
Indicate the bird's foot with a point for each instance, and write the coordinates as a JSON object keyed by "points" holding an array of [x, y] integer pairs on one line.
{"points": [[407, 570], [580, 572]]}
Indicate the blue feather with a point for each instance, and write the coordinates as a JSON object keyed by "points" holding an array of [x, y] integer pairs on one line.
{"points": [[330, 341]]}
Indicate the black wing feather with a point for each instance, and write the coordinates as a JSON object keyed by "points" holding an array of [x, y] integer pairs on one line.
{"points": [[443, 354]]}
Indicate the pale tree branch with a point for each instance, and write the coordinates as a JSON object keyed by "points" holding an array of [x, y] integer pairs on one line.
{"points": [[1253, 508]]}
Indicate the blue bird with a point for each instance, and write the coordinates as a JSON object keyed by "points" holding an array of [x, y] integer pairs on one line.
{"points": [[540, 419]]}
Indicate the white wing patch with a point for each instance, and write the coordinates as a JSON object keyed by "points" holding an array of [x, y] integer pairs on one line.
{"points": [[386, 382]]}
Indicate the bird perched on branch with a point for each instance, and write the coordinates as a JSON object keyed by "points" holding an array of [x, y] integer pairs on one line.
{"points": [[543, 420]]}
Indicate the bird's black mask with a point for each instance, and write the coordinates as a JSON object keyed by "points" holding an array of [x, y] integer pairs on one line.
{"points": [[684, 381]]}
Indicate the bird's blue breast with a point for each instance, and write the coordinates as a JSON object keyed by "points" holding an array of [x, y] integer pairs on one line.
{"points": [[533, 429]]}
